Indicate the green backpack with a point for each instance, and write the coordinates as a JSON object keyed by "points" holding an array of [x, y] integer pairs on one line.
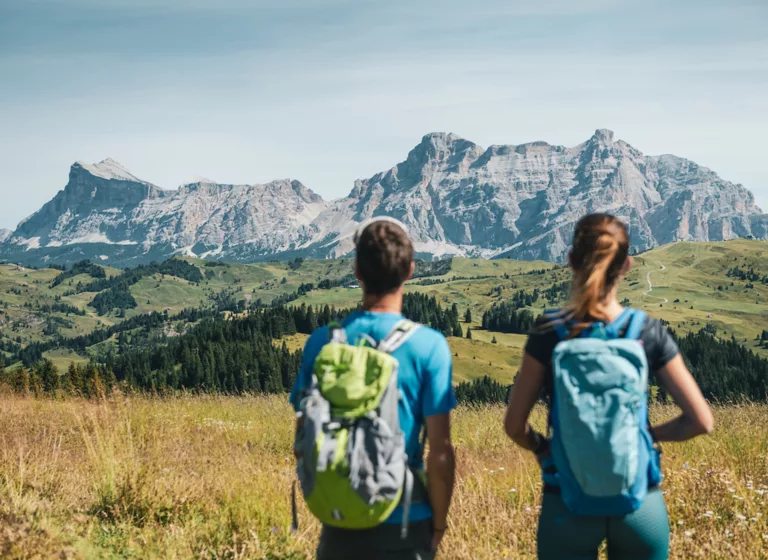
{"points": [[351, 460]]}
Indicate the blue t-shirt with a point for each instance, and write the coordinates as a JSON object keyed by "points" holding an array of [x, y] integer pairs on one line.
{"points": [[425, 379]]}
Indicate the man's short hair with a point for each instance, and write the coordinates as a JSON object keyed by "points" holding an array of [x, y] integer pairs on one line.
{"points": [[384, 256]]}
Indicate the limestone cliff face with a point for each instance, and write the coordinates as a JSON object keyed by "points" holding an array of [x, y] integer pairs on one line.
{"points": [[455, 197], [523, 201], [104, 204]]}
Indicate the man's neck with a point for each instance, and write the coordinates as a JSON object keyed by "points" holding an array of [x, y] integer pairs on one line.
{"points": [[386, 303]]}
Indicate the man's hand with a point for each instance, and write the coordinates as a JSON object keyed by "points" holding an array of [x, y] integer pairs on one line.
{"points": [[437, 537]]}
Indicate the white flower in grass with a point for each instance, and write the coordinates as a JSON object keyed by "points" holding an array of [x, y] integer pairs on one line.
{"points": [[689, 533], [740, 517], [512, 490]]}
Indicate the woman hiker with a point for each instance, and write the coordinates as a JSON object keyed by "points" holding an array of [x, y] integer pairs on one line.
{"points": [[592, 360]]}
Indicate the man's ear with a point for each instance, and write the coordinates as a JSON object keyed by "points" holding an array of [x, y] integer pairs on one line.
{"points": [[413, 269], [627, 266]]}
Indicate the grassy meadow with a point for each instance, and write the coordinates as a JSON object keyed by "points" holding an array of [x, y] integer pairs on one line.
{"points": [[210, 477]]}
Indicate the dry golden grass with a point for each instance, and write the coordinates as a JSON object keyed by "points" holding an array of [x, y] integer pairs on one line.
{"points": [[210, 477]]}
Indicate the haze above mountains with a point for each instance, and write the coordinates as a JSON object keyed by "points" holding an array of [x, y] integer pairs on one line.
{"points": [[456, 197]]}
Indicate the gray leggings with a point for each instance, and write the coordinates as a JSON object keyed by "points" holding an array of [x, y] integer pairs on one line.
{"points": [[641, 535]]}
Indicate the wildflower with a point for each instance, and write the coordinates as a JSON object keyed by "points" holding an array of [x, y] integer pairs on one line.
{"points": [[760, 492], [680, 522], [738, 498], [689, 533], [740, 517], [512, 490], [501, 468], [709, 513]]}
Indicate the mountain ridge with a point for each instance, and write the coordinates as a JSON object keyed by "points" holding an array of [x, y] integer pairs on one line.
{"points": [[456, 197]]}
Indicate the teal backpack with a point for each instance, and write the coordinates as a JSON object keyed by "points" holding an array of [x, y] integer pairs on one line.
{"points": [[351, 460], [603, 457]]}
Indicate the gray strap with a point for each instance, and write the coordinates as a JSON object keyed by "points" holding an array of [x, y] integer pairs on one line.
{"points": [[400, 333], [294, 509], [407, 499], [336, 334]]}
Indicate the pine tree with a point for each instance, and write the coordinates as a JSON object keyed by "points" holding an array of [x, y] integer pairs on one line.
{"points": [[494, 341], [21, 382], [49, 377], [469, 334], [468, 315]]}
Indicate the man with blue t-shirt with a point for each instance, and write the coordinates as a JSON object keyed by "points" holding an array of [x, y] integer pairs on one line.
{"points": [[384, 261]]}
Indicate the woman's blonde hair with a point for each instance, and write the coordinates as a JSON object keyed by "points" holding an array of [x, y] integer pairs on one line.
{"points": [[600, 248]]}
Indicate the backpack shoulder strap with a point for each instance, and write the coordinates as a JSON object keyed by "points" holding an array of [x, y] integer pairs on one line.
{"points": [[336, 333], [636, 323], [400, 333], [557, 320]]}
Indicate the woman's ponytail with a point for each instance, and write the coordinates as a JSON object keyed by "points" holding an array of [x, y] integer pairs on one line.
{"points": [[600, 247]]}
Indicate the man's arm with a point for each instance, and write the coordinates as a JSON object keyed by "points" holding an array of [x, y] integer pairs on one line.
{"points": [[441, 470]]}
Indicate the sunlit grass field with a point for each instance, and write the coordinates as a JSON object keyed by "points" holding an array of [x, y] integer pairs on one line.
{"points": [[210, 477]]}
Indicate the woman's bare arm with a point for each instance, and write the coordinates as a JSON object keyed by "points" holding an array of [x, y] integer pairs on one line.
{"points": [[525, 393], [696, 418]]}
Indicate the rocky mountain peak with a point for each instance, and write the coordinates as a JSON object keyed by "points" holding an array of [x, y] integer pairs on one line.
{"points": [[305, 192], [442, 148], [603, 136], [520, 201], [108, 169]]}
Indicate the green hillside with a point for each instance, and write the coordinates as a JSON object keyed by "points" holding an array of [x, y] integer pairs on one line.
{"points": [[690, 285]]}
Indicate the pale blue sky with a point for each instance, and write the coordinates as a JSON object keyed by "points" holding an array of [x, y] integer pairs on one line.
{"points": [[328, 91]]}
